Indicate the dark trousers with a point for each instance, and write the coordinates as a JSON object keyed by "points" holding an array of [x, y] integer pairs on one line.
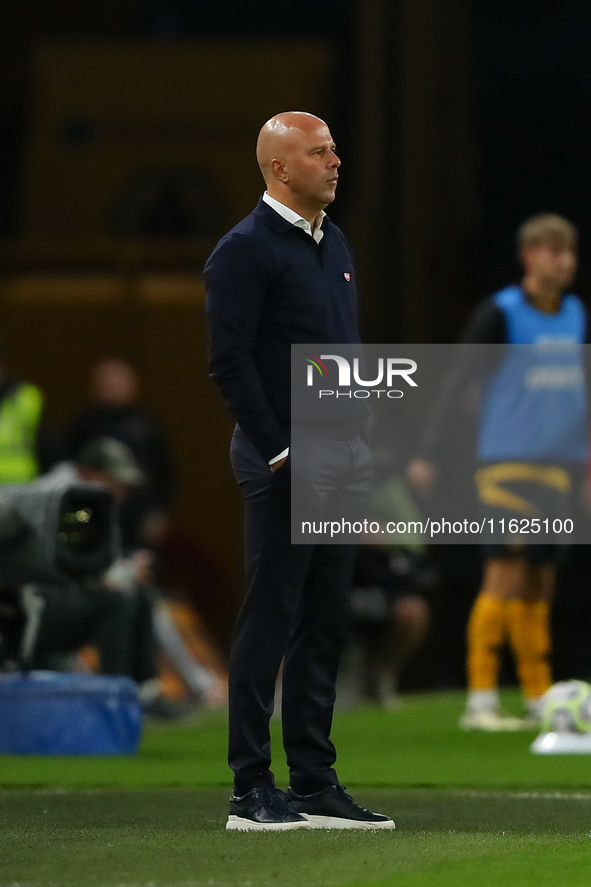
{"points": [[295, 611]]}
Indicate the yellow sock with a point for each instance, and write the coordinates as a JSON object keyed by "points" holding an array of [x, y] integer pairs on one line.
{"points": [[528, 624], [486, 634]]}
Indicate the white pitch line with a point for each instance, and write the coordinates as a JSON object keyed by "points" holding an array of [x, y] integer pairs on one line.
{"points": [[534, 796]]}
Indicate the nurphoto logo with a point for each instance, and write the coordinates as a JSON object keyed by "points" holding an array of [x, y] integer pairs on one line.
{"points": [[388, 370]]}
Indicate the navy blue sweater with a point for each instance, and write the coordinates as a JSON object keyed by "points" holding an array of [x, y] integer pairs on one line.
{"points": [[270, 285]]}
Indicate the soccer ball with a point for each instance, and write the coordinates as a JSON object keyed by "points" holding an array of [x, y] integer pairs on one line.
{"points": [[566, 708]]}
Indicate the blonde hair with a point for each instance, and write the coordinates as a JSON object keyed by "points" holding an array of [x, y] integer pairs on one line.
{"points": [[546, 228]]}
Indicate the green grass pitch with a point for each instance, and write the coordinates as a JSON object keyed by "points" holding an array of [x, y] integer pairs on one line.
{"points": [[469, 809]]}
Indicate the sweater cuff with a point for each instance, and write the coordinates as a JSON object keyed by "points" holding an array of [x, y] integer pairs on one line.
{"points": [[282, 455]]}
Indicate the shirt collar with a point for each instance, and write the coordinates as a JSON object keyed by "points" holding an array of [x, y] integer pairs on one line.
{"points": [[294, 218]]}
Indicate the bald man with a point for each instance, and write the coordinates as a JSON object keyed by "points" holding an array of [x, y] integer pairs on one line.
{"points": [[284, 276]]}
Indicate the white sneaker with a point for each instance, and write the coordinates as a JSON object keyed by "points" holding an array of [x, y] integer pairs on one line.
{"points": [[533, 713], [490, 721]]}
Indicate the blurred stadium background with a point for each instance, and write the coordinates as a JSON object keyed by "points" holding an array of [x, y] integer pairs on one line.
{"points": [[126, 147], [127, 132]]}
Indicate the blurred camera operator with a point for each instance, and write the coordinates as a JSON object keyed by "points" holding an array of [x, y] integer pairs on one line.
{"points": [[112, 612], [116, 413]]}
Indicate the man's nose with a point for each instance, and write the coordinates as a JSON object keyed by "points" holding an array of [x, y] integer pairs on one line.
{"points": [[334, 161]]}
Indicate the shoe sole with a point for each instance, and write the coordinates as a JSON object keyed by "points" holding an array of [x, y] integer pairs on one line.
{"points": [[334, 822], [238, 823]]}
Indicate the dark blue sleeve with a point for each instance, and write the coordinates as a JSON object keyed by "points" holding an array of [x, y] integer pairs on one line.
{"points": [[237, 283], [486, 326]]}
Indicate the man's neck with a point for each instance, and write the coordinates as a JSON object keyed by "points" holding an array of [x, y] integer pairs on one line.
{"points": [[544, 296], [312, 215]]}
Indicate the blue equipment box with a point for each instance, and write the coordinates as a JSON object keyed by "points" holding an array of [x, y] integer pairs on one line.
{"points": [[52, 713]]}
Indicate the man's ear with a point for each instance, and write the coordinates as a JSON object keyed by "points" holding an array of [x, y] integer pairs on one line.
{"points": [[279, 171]]}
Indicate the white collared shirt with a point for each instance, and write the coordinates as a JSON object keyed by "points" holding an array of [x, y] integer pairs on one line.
{"points": [[291, 216], [300, 222]]}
